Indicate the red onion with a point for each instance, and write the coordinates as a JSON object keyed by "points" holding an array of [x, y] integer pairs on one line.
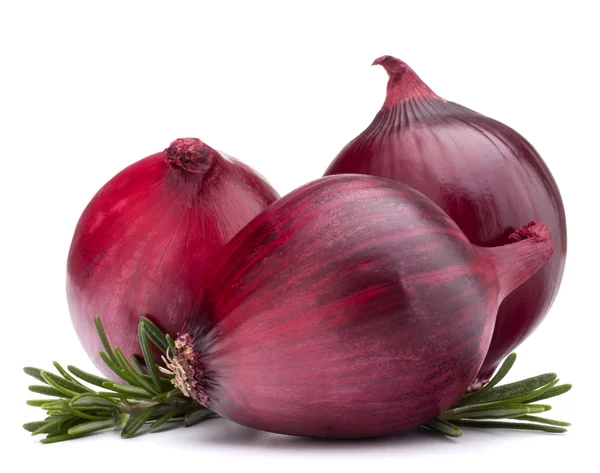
{"points": [[144, 242], [352, 307], [486, 176]]}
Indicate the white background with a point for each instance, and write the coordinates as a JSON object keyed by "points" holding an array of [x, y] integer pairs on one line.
{"points": [[87, 88]]}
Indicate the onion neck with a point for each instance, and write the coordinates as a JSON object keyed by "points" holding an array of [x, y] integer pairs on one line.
{"points": [[529, 249], [404, 84], [191, 155]]}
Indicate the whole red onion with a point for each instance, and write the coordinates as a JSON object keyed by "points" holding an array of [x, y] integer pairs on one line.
{"points": [[485, 175], [144, 242], [352, 307]]}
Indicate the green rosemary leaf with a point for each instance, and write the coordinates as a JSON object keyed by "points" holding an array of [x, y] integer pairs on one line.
{"points": [[493, 410], [138, 421], [35, 372], [53, 417], [552, 392], [155, 334], [59, 386], [50, 404], [88, 377], [160, 397], [535, 393], [63, 429], [58, 412], [56, 381], [49, 426], [197, 416], [122, 419], [70, 378], [60, 438], [166, 418], [509, 425], [506, 412], [148, 357], [138, 380], [36, 402], [89, 427], [473, 398], [444, 427], [170, 342], [132, 391], [503, 371], [173, 393], [114, 366], [544, 420], [514, 390], [92, 401], [33, 426], [95, 410], [163, 381], [119, 396], [104, 339], [137, 365], [67, 405], [122, 361], [47, 390]]}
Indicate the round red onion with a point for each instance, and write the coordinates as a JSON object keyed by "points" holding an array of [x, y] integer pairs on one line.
{"points": [[144, 242], [352, 307], [485, 175]]}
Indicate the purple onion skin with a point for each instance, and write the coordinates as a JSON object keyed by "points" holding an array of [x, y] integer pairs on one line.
{"points": [[146, 239], [485, 175], [353, 307]]}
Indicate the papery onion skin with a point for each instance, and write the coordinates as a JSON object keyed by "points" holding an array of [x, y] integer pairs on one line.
{"points": [[485, 175], [146, 239], [353, 307]]}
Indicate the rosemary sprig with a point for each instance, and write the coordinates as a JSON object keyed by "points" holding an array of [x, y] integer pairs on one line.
{"points": [[509, 406], [145, 396]]}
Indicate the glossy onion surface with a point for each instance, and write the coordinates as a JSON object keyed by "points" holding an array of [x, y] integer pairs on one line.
{"points": [[485, 175], [352, 307], [144, 242]]}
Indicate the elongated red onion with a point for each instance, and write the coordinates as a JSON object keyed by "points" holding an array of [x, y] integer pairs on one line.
{"points": [[146, 239], [485, 175], [352, 307]]}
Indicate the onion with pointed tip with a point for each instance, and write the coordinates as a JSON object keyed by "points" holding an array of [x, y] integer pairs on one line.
{"points": [[146, 239], [352, 307], [485, 175]]}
